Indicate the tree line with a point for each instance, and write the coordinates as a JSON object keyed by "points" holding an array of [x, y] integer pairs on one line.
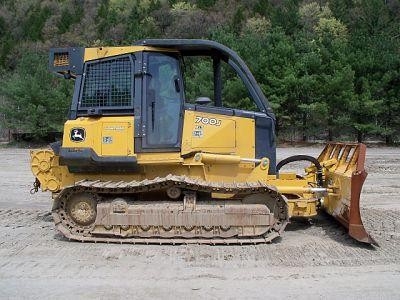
{"points": [[329, 68]]}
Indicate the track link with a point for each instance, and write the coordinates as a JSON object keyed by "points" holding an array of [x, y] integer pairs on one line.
{"points": [[106, 189]]}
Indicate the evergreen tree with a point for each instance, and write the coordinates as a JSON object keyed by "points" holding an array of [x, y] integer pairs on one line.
{"points": [[35, 102]]}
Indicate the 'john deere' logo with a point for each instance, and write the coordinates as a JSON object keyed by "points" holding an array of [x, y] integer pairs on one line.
{"points": [[77, 134]]}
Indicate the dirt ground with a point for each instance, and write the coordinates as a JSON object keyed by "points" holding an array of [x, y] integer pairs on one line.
{"points": [[316, 261]]}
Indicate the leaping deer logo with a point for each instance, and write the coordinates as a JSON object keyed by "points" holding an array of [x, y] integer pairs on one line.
{"points": [[77, 134]]}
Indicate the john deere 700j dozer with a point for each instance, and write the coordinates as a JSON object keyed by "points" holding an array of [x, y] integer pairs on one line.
{"points": [[139, 163]]}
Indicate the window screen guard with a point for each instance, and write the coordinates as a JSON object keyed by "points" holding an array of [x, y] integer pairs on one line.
{"points": [[108, 84]]}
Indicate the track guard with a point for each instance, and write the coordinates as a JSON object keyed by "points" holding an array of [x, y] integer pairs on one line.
{"points": [[344, 176]]}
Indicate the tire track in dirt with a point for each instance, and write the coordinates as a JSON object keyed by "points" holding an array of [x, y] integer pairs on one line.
{"points": [[26, 234]]}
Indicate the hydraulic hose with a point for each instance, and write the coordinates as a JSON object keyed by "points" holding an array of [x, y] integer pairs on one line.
{"points": [[311, 159]]}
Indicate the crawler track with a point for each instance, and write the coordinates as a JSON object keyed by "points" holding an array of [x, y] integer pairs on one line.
{"points": [[261, 203]]}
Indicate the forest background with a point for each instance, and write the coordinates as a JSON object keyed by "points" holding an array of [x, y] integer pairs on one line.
{"points": [[329, 68]]}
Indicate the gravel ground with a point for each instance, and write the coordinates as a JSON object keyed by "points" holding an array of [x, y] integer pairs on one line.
{"points": [[317, 261]]}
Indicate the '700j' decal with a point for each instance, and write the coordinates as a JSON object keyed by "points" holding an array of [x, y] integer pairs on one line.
{"points": [[208, 121]]}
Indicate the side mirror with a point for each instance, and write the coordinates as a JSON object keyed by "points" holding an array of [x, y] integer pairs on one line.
{"points": [[203, 100]]}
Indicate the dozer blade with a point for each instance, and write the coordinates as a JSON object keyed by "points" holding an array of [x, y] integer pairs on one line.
{"points": [[345, 175]]}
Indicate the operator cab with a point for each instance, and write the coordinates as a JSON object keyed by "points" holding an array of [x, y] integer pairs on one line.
{"points": [[148, 82]]}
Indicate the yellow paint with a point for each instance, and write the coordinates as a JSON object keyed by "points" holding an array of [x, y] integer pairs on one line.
{"points": [[107, 136], [223, 135], [115, 139], [168, 158], [340, 161], [211, 159], [305, 208], [45, 166], [104, 52]]}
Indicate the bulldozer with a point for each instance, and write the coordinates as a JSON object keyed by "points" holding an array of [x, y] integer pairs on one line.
{"points": [[141, 163]]}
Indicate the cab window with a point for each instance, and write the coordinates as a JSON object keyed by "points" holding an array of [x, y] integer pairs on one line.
{"points": [[199, 83], [164, 99]]}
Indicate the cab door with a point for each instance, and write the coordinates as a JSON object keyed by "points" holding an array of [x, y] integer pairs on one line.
{"points": [[162, 103]]}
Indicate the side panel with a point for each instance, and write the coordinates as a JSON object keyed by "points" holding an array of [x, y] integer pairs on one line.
{"points": [[116, 138], [106, 136], [214, 133]]}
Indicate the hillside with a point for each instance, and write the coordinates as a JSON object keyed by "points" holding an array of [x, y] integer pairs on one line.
{"points": [[330, 68]]}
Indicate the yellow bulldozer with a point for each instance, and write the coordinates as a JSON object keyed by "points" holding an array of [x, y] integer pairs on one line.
{"points": [[140, 163]]}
